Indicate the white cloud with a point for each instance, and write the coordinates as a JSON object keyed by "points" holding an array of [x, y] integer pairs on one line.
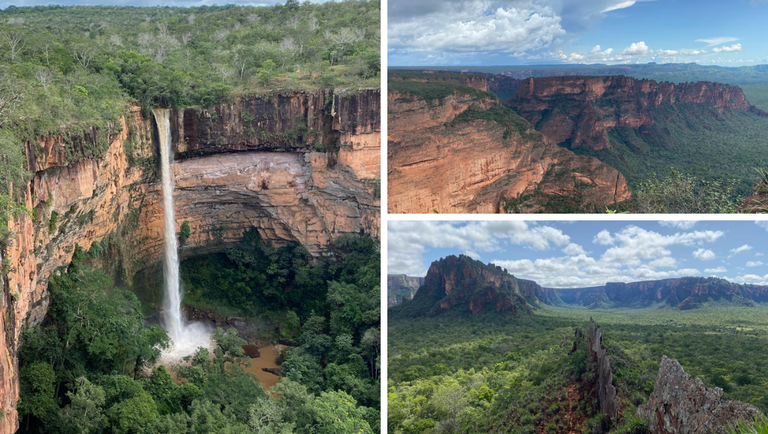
{"points": [[754, 279], [603, 237], [667, 52], [754, 263], [680, 224], [704, 254], [472, 255], [728, 49], [408, 240], [574, 249], [478, 26], [637, 49], [717, 41], [740, 249], [763, 224], [693, 52], [622, 5], [716, 270]]}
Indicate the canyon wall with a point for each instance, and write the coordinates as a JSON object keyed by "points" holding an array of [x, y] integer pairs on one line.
{"points": [[681, 293], [401, 287], [101, 191], [481, 166], [582, 110]]}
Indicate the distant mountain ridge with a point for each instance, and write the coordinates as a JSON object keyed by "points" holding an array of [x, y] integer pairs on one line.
{"points": [[401, 287], [462, 284], [681, 293]]}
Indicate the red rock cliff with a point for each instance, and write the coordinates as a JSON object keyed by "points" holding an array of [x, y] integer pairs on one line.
{"points": [[469, 167], [584, 109], [103, 186]]}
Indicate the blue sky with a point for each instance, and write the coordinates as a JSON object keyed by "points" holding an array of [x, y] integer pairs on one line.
{"points": [[562, 254], [520, 32]]}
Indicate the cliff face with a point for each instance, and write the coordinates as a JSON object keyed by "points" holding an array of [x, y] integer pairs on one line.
{"points": [[682, 405], [682, 293], [583, 110], [299, 195], [401, 287], [481, 166], [459, 283]]}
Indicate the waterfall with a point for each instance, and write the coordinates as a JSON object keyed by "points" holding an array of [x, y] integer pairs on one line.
{"points": [[185, 337]]}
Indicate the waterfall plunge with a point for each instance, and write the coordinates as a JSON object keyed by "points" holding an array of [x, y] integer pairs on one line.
{"points": [[185, 337]]}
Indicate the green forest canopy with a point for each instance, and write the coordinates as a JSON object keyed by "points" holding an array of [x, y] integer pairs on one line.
{"points": [[65, 69]]}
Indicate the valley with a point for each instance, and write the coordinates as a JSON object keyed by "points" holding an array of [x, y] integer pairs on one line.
{"points": [[657, 135], [531, 369]]}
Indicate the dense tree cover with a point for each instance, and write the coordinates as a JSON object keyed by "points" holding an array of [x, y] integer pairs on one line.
{"points": [[435, 90], [757, 95], [697, 142], [330, 305], [67, 69], [509, 373], [91, 366]]}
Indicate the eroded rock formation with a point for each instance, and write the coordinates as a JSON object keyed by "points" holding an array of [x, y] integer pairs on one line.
{"points": [[682, 405], [460, 283], [480, 166], [606, 391], [581, 111], [102, 187], [401, 287]]}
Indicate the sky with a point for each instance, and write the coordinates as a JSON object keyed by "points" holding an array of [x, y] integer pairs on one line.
{"points": [[525, 32], [564, 254]]}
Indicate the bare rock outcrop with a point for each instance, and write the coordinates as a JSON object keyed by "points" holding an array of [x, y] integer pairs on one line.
{"points": [[481, 166], [606, 392], [682, 405], [581, 111]]}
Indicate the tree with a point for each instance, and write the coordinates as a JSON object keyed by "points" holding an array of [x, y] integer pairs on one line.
{"points": [[37, 391], [83, 54], [84, 414], [45, 77], [15, 41]]}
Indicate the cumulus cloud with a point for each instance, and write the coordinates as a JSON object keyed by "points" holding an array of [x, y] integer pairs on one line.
{"points": [[637, 49], [574, 249], [740, 249], [716, 270], [763, 224], [603, 237], [667, 52], [704, 254], [754, 263], [728, 49], [680, 224], [718, 40], [408, 240], [754, 279], [475, 26]]}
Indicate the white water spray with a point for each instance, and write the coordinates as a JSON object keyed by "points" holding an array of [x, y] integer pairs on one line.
{"points": [[185, 337]]}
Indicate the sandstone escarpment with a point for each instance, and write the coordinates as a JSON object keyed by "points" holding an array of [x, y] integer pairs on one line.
{"points": [[113, 203], [682, 293], [462, 284], [682, 405], [580, 111], [401, 287], [481, 166]]}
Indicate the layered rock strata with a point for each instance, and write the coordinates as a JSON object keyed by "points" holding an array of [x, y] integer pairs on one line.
{"points": [[480, 166], [681, 405], [103, 187], [401, 287], [581, 111]]}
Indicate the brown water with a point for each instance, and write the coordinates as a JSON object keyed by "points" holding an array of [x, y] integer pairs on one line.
{"points": [[268, 359]]}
